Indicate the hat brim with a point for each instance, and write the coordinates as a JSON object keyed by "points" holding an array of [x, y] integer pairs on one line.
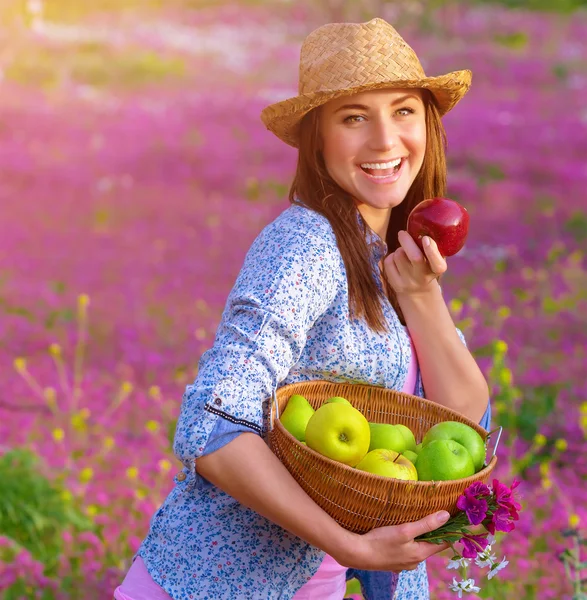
{"points": [[283, 118]]}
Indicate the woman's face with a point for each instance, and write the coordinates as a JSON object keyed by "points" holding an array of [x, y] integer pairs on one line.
{"points": [[373, 144]]}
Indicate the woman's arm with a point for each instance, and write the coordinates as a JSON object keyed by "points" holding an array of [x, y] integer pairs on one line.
{"points": [[450, 374], [246, 469]]}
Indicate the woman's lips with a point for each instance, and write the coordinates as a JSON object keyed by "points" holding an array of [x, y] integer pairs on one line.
{"points": [[387, 178]]}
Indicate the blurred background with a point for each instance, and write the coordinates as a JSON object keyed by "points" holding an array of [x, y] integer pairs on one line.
{"points": [[135, 173]]}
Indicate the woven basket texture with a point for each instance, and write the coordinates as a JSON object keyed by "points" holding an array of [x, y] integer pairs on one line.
{"points": [[357, 500]]}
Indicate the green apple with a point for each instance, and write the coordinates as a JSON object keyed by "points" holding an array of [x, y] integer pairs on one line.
{"points": [[296, 415], [411, 456], [461, 433], [418, 448], [340, 432], [444, 460], [339, 399], [408, 436], [388, 464], [387, 437]]}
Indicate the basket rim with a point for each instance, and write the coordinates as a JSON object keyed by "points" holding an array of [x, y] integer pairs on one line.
{"points": [[381, 478], [486, 471], [324, 382]]}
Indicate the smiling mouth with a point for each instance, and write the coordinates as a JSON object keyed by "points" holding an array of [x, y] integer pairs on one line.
{"points": [[382, 170]]}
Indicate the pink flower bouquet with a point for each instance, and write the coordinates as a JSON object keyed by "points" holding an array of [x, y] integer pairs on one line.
{"points": [[483, 512]]}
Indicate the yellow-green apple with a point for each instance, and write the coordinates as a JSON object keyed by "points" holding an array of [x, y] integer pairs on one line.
{"points": [[461, 433], [296, 415], [387, 436], [339, 432], [411, 456], [388, 464], [339, 399], [444, 460], [408, 436]]}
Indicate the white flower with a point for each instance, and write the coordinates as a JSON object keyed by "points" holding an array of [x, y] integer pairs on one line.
{"points": [[457, 564], [502, 565], [485, 558], [467, 585], [491, 539]]}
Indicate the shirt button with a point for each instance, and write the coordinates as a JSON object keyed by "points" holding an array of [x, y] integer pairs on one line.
{"points": [[181, 476], [218, 401]]}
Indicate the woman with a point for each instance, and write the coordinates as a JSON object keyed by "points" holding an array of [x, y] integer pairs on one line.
{"points": [[335, 289]]}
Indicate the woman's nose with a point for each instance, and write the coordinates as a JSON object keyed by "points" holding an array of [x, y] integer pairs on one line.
{"points": [[384, 135]]}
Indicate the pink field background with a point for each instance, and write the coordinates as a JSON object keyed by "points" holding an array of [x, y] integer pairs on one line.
{"points": [[134, 174]]}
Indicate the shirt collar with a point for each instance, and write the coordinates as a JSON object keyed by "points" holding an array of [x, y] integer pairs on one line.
{"points": [[376, 245]]}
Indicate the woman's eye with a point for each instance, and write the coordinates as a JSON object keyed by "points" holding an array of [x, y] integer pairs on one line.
{"points": [[353, 119], [406, 111]]}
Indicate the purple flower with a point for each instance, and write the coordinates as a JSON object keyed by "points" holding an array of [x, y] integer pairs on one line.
{"points": [[504, 496], [473, 544], [476, 508], [501, 520], [478, 489]]}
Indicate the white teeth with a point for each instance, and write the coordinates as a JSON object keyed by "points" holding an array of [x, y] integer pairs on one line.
{"points": [[387, 165]]}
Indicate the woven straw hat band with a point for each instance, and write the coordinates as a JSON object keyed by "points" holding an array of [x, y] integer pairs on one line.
{"points": [[344, 55]]}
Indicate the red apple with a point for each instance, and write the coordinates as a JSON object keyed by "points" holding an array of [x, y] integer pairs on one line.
{"points": [[442, 219]]}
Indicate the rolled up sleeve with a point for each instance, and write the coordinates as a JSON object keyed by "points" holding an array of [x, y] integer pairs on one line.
{"points": [[287, 282]]}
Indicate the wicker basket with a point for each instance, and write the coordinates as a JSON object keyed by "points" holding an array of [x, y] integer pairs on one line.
{"points": [[357, 500]]}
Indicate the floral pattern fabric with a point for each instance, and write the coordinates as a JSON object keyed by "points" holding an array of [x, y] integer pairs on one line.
{"points": [[286, 320]]}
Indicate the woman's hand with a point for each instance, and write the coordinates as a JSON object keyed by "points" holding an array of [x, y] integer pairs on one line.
{"points": [[408, 270], [393, 548]]}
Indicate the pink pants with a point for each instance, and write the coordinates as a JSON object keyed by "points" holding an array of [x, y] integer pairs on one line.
{"points": [[329, 583]]}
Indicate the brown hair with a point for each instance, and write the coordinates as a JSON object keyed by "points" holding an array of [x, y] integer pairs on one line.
{"points": [[313, 187]]}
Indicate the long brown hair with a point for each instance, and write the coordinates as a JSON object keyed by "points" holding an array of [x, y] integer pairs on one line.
{"points": [[312, 186]]}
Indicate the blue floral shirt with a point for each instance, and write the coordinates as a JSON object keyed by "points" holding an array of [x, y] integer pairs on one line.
{"points": [[286, 320]]}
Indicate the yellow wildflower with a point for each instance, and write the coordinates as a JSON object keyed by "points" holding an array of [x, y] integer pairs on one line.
{"points": [[55, 350], [501, 347], [58, 434], [505, 376], [86, 474], [83, 300], [140, 494], [152, 426], [503, 312], [164, 465], [155, 392], [20, 364], [132, 472]]}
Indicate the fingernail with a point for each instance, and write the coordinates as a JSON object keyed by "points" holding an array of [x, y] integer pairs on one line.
{"points": [[426, 240], [442, 516]]}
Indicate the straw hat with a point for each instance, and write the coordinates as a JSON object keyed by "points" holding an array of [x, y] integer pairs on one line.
{"points": [[340, 59]]}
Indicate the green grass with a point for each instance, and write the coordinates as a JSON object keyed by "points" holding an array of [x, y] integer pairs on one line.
{"points": [[93, 64]]}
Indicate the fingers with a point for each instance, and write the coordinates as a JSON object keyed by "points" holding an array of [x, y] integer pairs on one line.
{"points": [[436, 261], [411, 249], [425, 525], [426, 550]]}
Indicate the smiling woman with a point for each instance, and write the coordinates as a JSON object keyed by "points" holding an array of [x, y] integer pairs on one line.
{"points": [[336, 140], [333, 289], [368, 145]]}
